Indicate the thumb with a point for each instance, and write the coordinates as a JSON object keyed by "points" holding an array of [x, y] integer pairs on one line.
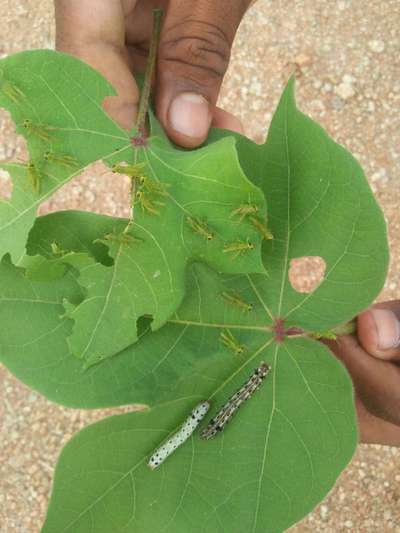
{"points": [[194, 54], [379, 330], [95, 32]]}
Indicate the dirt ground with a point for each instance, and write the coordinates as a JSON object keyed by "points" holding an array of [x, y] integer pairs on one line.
{"points": [[346, 54]]}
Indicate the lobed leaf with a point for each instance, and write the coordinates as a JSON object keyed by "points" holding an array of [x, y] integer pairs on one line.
{"points": [[147, 275], [288, 444], [61, 98], [320, 205], [268, 468]]}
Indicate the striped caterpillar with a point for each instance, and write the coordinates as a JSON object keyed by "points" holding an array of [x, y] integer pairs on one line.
{"points": [[178, 438], [227, 411]]}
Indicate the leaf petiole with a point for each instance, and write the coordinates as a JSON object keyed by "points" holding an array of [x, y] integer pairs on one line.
{"points": [[150, 68]]}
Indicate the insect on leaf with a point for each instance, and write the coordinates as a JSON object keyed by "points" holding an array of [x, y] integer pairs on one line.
{"points": [[61, 118], [286, 446], [66, 128]]}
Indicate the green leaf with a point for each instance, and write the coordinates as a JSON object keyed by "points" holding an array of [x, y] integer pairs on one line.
{"points": [[147, 277], [307, 385], [320, 204], [30, 318], [288, 444], [61, 98], [204, 314], [149, 255], [268, 468], [147, 371]]}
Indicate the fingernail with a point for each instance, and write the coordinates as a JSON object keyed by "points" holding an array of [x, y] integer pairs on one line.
{"points": [[387, 327], [189, 114]]}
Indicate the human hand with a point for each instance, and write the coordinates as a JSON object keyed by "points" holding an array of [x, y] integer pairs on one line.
{"points": [[196, 38], [372, 358]]}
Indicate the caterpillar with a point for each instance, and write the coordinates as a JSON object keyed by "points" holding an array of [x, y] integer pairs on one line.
{"points": [[227, 411], [178, 438]]}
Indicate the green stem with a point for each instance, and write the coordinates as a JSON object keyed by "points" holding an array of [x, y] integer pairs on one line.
{"points": [[150, 68], [346, 329]]}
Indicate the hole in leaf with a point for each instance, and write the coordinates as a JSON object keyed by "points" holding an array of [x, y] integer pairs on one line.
{"points": [[97, 190], [5, 185], [12, 145], [12, 149], [143, 325], [306, 273]]}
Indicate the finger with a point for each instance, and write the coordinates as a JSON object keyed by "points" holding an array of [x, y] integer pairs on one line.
{"points": [[95, 32], [374, 430], [376, 382], [227, 121], [379, 330], [194, 54]]}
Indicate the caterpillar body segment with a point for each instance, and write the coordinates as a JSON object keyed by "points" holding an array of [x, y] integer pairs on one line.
{"points": [[180, 436], [230, 408]]}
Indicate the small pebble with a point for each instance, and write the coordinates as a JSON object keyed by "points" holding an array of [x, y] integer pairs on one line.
{"points": [[345, 91], [323, 511], [376, 46], [302, 60]]}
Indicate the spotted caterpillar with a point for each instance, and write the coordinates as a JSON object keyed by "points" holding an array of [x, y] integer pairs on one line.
{"points": [[178, 438], [227, 411]]}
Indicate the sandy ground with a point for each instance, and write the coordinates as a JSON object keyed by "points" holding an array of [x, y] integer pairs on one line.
{"points": [[346, 54]]}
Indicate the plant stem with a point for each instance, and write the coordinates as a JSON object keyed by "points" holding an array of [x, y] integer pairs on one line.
{"points": [[346, 329], [150, 68]]}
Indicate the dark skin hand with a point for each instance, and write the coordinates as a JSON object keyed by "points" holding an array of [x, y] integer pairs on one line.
{"points": [[372, 358], [194, 52], [195, 44]]}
